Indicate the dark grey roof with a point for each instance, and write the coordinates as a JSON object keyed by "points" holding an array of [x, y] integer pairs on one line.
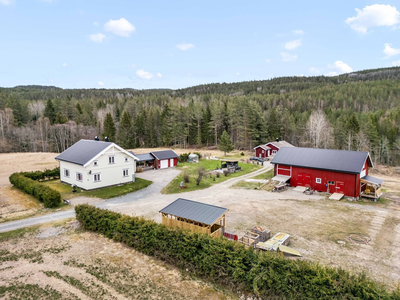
{"points": [[195, 211], [324, 159], [165, 154], [372, 179], [144, 157], [83, 151]]}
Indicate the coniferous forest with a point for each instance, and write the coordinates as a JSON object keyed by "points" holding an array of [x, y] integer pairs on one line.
{"points": [[356, 111]]}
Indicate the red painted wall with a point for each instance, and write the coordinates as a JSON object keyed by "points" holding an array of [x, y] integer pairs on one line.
{"points": [[272, 147], [175, 162], [259, 151], [348, 184]]}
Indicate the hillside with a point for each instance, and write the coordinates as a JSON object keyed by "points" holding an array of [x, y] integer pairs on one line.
{"points": [[358, 111]]}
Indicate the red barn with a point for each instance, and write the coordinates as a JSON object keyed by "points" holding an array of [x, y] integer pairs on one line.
{"points": [[263, 151], [165, 159], [332, 171]]}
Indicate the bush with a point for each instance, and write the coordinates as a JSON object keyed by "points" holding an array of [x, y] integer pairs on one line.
{"points": [[48, 196], [226, 172], [198, 154], [242, 153], [39, 175], [263, 273], [186, 177]]}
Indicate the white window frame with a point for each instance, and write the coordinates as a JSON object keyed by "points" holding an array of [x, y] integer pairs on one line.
{"points": [[126, 159], [318, 180], [77, 175], [111, 159], [97, 175], [65, 173], [95, 163], [125, 171]]}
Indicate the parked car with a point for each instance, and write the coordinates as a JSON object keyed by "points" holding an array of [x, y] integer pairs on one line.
{"points": [[254, 158]]}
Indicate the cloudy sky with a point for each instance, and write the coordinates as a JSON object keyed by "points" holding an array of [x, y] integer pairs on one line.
{"points": [[176, 44]]}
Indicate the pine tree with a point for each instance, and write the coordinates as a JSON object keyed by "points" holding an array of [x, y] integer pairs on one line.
{"points": [[50, 111], [225, 143], [109, 128], [206, 134], [125, 135]]}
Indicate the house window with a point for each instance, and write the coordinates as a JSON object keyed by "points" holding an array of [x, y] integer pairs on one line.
{"points": [[273, 151], [66, 173], [318, 180], [126, 159], [79, 176], [331, 182], [95, 163], [111, 159], [96, 177], [125, 172]]}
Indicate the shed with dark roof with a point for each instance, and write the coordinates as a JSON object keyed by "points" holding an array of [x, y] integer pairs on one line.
{"points": [[165, 159], [325, 170], [195, 216]]}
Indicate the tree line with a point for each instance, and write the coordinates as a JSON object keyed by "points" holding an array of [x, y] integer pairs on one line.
{"points": [[358, 111]]}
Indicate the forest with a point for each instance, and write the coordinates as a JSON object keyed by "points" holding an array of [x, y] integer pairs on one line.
{"points": [[357, 111]]}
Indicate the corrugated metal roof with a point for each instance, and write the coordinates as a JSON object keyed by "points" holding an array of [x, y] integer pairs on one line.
{"points": [[195, 211], [83, 151], [372, 179], [144, 157], [323, 159], [164, 154]]}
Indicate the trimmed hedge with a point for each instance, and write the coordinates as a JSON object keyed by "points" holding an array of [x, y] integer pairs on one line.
{"points": [[37, 175], [48, 196], [264, 273]]}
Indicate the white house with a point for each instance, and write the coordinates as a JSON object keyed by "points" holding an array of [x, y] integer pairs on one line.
{"points": [[94, 164]]}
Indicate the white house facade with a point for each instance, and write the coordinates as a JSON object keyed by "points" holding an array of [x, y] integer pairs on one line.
{"points": [[95, 164]]}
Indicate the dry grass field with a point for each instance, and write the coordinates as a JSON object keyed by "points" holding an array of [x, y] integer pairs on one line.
{"points": [[63, 262]]}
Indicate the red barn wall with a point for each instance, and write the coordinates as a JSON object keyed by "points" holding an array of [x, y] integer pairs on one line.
{"points": [[259, 151], [273, 148], [348, 184]]}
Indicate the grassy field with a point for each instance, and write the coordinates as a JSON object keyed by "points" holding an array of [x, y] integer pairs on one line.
{"points": [[266, 175], [209, 165], [103, 193]]}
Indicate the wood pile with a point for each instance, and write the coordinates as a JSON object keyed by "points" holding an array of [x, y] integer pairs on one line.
{"points": [[263, 233], [247, 242]]}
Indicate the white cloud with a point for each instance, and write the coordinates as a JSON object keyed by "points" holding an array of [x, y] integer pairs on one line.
{"points": [[96, 23], [267, 60], [314, 70], [292, 44], [65, 65], [120, 27], [184, 46], [396, 63], [6, 2], [389, 51], [98, 37], [298, 31], [288, 57], [331, 74], [100, 83], [341, 67], [373, 16], [159, 75], [237, 73], [144, 75]]}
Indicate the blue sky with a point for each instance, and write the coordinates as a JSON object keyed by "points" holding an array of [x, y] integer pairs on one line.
{"points": [[176, 44]]}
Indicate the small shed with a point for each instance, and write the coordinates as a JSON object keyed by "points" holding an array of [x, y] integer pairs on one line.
{"points": [[193, 158], [195, 216]]}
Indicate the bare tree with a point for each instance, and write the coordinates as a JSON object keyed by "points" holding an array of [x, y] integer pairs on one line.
{"points": [[318, 130], [36, 109]]}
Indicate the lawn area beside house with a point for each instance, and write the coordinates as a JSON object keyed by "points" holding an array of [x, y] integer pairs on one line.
{"points": [[267, 175], [209, 165], [103, 193]]}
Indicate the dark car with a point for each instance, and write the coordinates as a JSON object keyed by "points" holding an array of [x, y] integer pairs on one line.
{"points": [[256, 159]]}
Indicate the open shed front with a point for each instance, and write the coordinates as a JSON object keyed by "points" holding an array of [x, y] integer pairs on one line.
{"points": [[371, 187], [195, 216]]}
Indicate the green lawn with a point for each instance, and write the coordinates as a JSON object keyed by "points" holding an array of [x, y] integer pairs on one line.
{"points": [[103, 193], [266, 175], [174, 186]]}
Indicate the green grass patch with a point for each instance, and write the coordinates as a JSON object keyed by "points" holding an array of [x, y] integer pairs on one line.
{"points": [[103, 193], [266, 175], [5, 236], [174, 186], [247, 185]]}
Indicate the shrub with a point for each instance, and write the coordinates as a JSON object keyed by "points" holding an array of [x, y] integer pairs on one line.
{"points": [[184, 157], [218, 174], [198, 154], [226, 172], [186, 177], [264, 273], [200, 173], [45, 194], [39, 175], [242, 153]]}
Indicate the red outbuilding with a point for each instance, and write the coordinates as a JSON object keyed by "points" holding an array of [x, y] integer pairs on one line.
{"points": [[271, 148], [165, 159], [332, 171]]}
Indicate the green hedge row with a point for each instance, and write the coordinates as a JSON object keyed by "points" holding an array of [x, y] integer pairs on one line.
{"points": [[37, 175], [49, 197], [262, 273]]}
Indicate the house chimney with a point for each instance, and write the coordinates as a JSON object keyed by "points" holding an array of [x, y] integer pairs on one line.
{"points": [[277, 139], [96, 138], [106, 139]]}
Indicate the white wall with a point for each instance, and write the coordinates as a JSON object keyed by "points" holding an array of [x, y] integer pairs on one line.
{"points": [[110, 174]]}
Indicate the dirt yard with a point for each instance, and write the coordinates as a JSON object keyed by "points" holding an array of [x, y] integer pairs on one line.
{"points": [[65, 263]]}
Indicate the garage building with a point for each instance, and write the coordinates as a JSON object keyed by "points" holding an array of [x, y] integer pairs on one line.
{"points": [[332, 171], [165, 159]]}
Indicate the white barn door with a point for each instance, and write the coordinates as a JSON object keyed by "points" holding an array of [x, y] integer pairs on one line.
{"points": [[164, 164], [171, 162]]}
